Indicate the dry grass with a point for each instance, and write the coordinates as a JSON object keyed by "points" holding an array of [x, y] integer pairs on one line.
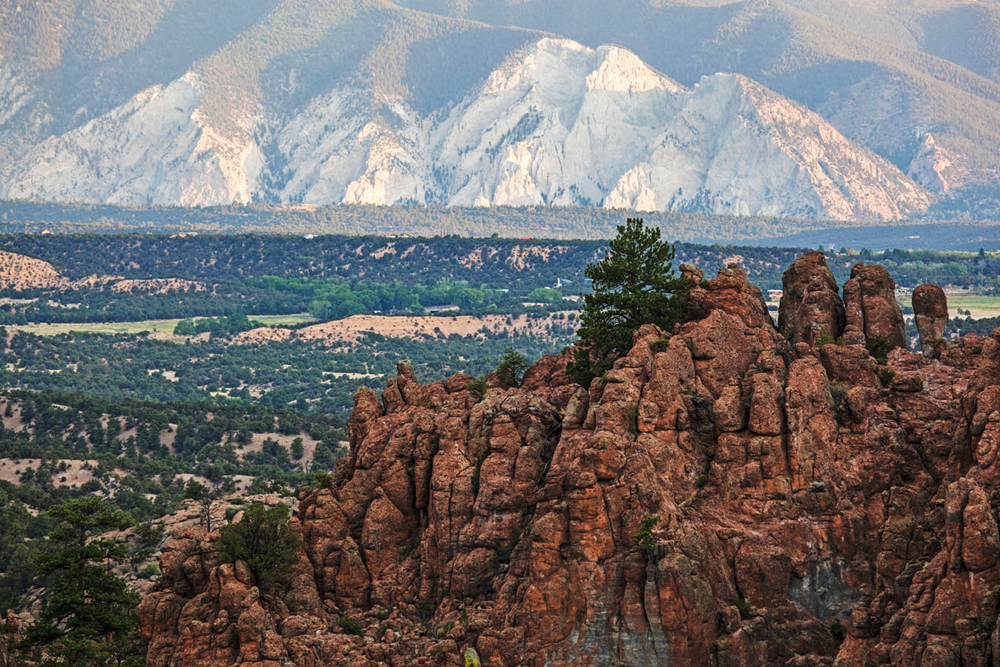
{"points": [[351, 329], [74, 475]]}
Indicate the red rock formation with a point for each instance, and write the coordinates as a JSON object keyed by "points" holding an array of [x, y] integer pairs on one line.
{"points": [[870, 304], [692, 273], [930, 310], [720, 497], [810, 301]]}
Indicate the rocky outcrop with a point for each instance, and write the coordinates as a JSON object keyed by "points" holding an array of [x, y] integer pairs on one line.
{"points": [[11, 630], [930, 310], [692, 273], [20, 272], [870, 304], [720, 497], [810, 301]]}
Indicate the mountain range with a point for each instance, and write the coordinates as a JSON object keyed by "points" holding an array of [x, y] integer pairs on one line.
{"points": [[838, 110]]}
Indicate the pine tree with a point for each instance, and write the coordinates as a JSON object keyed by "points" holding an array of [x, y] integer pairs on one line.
{"points": [[298, 449], [510, 372], [264, 540], [88, 615], [634, 284]]}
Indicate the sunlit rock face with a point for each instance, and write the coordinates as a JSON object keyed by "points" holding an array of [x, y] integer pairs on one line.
{"points": [[722, 496], [555, 123]]}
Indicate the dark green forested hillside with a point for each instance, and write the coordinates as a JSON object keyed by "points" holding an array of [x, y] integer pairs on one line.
{"points": [[268, 264]]}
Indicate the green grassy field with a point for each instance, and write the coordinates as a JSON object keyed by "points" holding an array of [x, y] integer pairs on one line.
{"points": [[980, 306], [152, 326]]}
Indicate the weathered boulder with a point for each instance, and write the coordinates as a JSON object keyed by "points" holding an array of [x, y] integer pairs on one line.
{"points": [[930, 310], [692, 273], [850, 365], [8, 644], [870, 304], [731, 292], [810, 301]]}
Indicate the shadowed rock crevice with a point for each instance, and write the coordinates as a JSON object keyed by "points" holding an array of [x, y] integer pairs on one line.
{"points": [[722, 496]]}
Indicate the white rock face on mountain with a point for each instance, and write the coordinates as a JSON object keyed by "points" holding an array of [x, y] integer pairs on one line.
{"points": [[340, 149], [559, 125], [931, 166], [157, 149], [736, 148], [570, 125], [556, 123]]}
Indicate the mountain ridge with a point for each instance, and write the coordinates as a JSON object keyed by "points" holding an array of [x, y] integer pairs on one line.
{"points": [[839, 58], [537, 130], [898, 78]]}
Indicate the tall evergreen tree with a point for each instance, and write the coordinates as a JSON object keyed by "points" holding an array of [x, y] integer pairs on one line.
{"points": [[15, 550], [510, 372], [634, 284], [88, 615]]}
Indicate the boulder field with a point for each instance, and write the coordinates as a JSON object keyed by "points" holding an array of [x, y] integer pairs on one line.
{"points": [[729, 494]]}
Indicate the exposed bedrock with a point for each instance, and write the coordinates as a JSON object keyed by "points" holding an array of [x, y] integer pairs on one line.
{"points": [[930, 310], [810, 302], [721, 497], [870, 304]]}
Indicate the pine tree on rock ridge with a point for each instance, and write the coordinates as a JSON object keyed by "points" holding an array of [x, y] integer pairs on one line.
{"points": [[634, 284]]}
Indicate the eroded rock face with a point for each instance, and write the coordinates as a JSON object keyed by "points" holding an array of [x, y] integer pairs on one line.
{"points": [[715, 500], [810, 301], [870, 304], [930, 310]]}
